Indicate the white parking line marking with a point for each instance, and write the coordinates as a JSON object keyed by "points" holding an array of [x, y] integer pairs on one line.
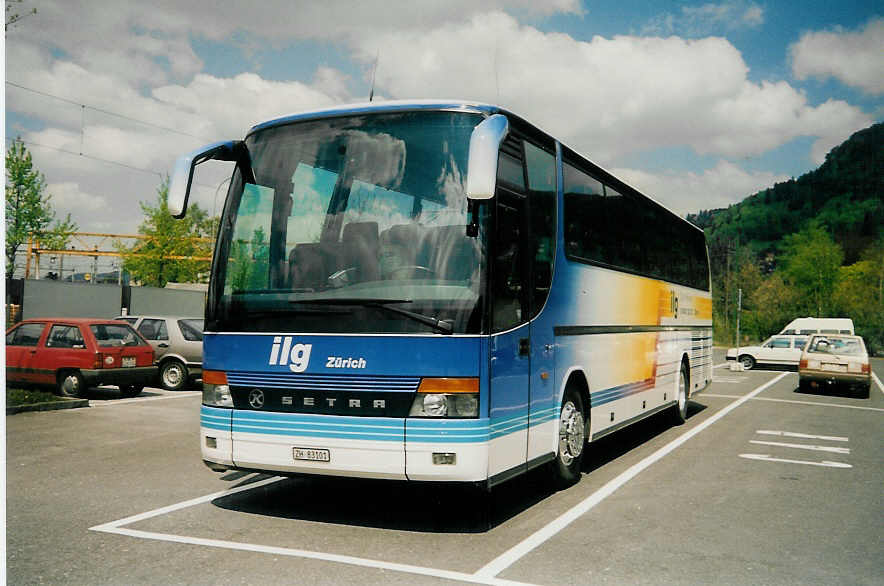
{"points": [[328, 557], [177, 395], [118, 528], [728, 379], [828, 438], [720, 365], [878, 382], [183, 505], [767, 458], [514, 554], [831, 449], [816, 403]]}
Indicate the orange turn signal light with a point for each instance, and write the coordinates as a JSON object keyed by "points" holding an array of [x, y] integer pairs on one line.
{"points": [[215, 377], [449, 385]]}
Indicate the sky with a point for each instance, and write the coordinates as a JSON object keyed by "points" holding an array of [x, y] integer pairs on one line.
{"points": [[697, 104]]}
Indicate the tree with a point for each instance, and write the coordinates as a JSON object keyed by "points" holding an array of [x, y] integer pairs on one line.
{"points": [[860, 295], [167, 254], [772, 304], [812, 260], [14, 17], [29, 209]]}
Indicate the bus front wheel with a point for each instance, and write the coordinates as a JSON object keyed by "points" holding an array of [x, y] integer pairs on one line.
{"points": [[572, 439]]}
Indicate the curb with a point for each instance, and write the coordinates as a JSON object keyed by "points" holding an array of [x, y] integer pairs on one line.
{"points": [[48, 406]]}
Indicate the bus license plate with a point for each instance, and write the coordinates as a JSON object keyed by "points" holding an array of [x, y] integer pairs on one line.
{"points": [[128, 361], [312, 454]]}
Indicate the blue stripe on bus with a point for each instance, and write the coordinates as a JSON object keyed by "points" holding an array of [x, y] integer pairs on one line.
{"points": [[380, 429], [619, 392]]}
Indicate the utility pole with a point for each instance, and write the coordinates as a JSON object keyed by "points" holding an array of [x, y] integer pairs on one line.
{"points": [[28, 257], [739, 311], [94, 266]]}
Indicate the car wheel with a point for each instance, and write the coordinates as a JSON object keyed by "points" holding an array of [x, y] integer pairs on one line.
{"points": [[865, 391], [131, 390], [747, 361], [680, 410], [71, 384], [572, 440], [173, 375]]}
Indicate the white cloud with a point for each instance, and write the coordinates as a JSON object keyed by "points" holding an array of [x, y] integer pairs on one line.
{"points": [[684, 193], [608, 97], [234, 104], [854, 58], [706, 19], [68, 195], [605, 97]]}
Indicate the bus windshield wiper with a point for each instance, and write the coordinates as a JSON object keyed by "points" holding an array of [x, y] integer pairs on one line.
{"points": [[382, 303]]}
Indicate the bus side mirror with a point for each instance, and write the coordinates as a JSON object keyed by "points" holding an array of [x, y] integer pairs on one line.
{"points": [[484, 147], [182, 175]]}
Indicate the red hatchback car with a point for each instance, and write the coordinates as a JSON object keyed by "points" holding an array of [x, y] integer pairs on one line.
{"points": [[73, 354]]}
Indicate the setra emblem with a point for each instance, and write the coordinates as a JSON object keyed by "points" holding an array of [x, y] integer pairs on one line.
{"points": [[256, 398]]}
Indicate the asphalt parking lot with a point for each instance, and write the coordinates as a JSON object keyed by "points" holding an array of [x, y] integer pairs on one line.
{"points": [[763, 485]]}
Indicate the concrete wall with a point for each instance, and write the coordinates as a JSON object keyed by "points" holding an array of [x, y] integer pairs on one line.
{"points": [[45, 298], [151, 301]]}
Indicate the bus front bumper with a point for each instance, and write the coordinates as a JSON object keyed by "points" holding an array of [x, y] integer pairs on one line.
{"points": [[365, 447]]}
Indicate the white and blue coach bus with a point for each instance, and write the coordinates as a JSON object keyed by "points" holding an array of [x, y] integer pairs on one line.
{"points": [[437, 291]]}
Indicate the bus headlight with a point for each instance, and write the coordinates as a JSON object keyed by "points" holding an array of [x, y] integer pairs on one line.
{"points": [[217, 395], [446, 397], [435, 405], [216, 392]]}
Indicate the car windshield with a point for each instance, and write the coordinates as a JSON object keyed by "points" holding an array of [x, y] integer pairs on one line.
{"points": [[353, 224], [835, 345], [107, 335]]}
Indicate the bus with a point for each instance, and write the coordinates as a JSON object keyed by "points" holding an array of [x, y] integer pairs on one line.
{"points": [[437, 291]]}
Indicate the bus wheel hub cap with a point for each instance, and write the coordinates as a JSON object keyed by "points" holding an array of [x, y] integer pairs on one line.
{"points": [[571, 433]]}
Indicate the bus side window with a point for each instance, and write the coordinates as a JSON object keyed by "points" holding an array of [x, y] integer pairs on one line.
{"points": [[508, 267], [585, 216], [541, 167]]}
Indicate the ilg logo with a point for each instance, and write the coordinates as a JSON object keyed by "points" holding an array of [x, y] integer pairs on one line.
{"points": [[296, 356]]}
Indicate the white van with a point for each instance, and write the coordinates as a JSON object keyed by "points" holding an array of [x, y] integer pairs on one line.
{"points": [[804, 326]]}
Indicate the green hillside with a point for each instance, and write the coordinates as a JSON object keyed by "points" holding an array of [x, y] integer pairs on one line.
{"points": [[809, 246]]}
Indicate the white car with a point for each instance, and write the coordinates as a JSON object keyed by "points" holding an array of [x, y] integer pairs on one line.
{"points": [[177, 344], [776, 352]]}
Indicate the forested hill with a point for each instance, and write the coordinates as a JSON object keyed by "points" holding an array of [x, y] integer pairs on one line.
{"points": [[845, 195], [809, 246]]}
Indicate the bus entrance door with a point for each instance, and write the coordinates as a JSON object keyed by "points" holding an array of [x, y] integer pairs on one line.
{"points": [[511, 341]]}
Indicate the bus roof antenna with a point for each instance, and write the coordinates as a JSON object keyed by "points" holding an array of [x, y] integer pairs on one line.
{"points": [[374, 70]]}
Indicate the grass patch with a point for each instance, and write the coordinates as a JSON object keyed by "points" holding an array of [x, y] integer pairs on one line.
{"points": [[17, 397]]}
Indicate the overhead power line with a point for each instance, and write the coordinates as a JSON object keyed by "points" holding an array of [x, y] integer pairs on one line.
{"points": [[104, 111], [76, 154], [94, 158]]}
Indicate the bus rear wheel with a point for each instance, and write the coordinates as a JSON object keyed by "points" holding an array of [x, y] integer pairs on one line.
{"points": [[572, 439], [680, 409]]}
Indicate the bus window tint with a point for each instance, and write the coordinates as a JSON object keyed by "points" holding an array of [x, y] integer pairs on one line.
{"points": [[509, 170], [508, 264], [584, 215], [312, 190], [622, 231], [249, 250], [627, 232], [541, 166]]}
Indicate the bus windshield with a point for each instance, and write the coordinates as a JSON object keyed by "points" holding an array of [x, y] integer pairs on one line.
{"points": [[353, 224]]}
